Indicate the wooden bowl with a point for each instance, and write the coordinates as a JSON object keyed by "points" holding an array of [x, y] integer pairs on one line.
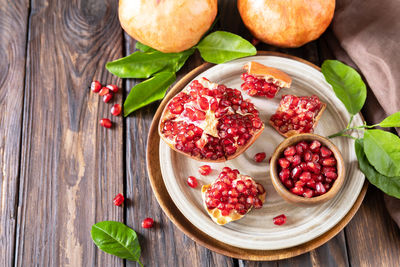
{"points": [[295, 199]]}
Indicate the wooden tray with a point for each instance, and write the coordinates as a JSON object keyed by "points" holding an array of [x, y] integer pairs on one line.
{"points": [[194, 233]]}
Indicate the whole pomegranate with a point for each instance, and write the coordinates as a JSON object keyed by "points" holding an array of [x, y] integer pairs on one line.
{"points": [[286, 23], [168, 26]]}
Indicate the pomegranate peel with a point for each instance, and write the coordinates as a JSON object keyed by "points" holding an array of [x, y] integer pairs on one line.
{"points": [[276, 76]]}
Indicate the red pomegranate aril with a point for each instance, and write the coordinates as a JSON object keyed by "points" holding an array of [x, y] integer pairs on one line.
{"points": [[259, 157], [296, 160], [308, 193], [104, 91], [258, 203], [320, 189], [315, 145], [106, 123], [297, 190], [284, 163], [95, 86], [290, 151], [331, 175], [329, 162], [147, 223], [307, 156], [315, 158], [112, 87], [305, 177], [301, 147], [192, 181], [296, 171], [325, 170], [205, 170], [116, 110], [284, 175], [107, 97], [325, 152], [118, 199], [288, 183], [311, 184], [314, 167], [279, 220]]}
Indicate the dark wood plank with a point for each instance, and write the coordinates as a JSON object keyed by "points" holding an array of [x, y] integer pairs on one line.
{"points": [[13, 15], [71, 168], [164, 244]]}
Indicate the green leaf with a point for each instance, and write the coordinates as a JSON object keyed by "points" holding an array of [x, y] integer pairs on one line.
{"points": [[148, 91], [383, 151], [219, 47], [346, 83], [144, 48], [391, 121], [144, 65], [389, 185], [117, 239]]}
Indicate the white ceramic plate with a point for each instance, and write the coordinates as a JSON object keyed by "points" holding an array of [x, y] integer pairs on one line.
{"points": [[256, 230]]}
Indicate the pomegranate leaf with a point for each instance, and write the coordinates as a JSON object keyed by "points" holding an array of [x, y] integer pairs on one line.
{"points": [[383, 151], [117, 239], [391, 121], [346, 83], [144, 48], [145, 64], [148, 91], [389, 185], [219, 47]]}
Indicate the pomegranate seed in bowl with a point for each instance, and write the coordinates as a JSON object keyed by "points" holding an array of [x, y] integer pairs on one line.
{"points": [[147, 223], [118, 199]]}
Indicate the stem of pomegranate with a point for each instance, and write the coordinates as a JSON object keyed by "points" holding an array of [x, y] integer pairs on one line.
{"points": [[341, 133]]}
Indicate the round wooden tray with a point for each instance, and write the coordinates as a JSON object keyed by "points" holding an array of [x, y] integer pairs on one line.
{"points": [[173, 213]]}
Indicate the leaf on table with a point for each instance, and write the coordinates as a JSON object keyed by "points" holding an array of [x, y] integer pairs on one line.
{"points": [[148, 91], [117, 239], [391, 121], [389, 185], [383, 151], [144, 65], [219, 47], [346, 83], [144, 48]]}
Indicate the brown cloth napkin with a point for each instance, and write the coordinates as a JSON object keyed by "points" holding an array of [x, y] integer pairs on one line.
{"points": [[368, 32]]}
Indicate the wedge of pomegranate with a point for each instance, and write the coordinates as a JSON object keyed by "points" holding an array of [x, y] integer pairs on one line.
{"points": [[231, 196], [260, 80], [210, 122], [297, 114]]}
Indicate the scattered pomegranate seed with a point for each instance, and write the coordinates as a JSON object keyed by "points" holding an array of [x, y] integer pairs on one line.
{"points": [[112, 87], [147, 223], [192, 181], [118, 199], [116, 110], [95, 86], [205, 170], [107, 97], [279, 220], [105, 123], [259, 157], [104, 91]]}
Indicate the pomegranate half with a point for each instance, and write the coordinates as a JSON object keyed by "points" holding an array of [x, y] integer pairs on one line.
{"points": [[231, 196], [167, 26], [288, 23], [210, 122]]}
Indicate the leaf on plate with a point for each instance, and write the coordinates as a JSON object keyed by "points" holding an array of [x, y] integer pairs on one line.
{"points": [[148, 91], [117, 239], [389, 185], [391, 121], [144, 65], [219, 47], [383, 151], [346, 83]]}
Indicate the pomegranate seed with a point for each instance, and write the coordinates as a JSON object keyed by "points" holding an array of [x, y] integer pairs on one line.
{"points": [[284, 175], [284, 163], [290, 151], [147, 223], [331, 175], [314, 167], [205, 170], [258, 203], [112, 87], [320, 189], [106, 123], [107, 97], [118, 199], [95, 86], [308, 193], [307, 156], [296, 171], [311, 184], [305, 176], [116, 110], [296, 160], [329, 162], [192, 181], [315, 145], [297, 190], [259, 157], [325, 152], [104, 91], [279, 220]]}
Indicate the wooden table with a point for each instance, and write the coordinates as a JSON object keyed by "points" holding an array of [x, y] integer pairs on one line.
{"points": [[60, 170]]}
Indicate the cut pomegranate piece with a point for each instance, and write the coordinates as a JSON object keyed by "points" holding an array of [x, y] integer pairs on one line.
{"points": [[259, 157], [231, 196], [192, 181], [118, 199], [263, 81], [148, 223], [279, 220], [297, 114], [205, 170], [210, 122]]}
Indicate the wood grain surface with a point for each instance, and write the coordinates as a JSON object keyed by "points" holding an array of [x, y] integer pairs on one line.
{"points": [[60, 170]]}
